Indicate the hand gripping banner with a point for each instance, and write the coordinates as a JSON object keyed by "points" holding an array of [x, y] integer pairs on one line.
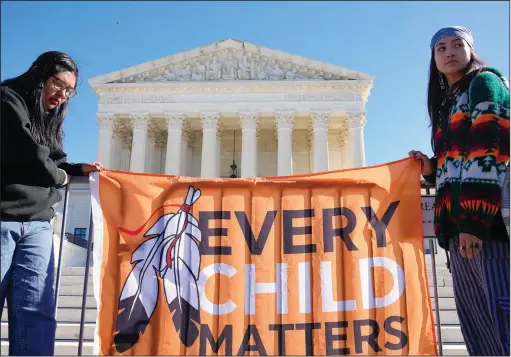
{"points": [[325, 264]]}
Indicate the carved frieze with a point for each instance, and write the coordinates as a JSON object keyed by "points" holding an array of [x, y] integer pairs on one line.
{"points": [[199, 98], [113, 96], [226, 65]]}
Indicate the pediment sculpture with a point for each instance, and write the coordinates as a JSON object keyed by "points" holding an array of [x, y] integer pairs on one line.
{"points": [[237, 66]]}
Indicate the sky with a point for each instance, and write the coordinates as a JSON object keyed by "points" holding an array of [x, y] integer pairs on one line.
{"points": [[389, 40]]}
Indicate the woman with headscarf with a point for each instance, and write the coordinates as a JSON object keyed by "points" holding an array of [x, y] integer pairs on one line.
{"points": [[468, 105]]}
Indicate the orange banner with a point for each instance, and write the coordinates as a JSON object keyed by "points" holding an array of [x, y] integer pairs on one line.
{"points": [[324, 264]]}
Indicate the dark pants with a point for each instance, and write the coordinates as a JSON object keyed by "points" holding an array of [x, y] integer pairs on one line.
{"points": [[481, 292], [27, 273]]}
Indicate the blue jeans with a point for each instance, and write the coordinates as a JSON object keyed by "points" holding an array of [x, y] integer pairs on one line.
{"points": [[27, 273]]}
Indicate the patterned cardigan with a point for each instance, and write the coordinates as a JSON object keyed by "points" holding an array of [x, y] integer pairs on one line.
{"points": [[471, 154]]}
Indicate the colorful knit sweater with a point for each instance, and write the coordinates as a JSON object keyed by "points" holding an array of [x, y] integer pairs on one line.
{"points": [[471, 154]]}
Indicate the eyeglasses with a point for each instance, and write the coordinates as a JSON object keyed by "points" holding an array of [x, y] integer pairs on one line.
{"points": [[60, 85]]}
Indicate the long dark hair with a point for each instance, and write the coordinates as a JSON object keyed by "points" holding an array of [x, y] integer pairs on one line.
{"points": [[437, 95], [46, 126]]}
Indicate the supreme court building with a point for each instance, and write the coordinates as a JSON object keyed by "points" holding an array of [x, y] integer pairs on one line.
{"points": [[231, 103], [195, 112]]}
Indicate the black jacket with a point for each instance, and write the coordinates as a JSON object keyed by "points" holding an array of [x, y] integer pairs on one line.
{"points": [[30, 173]]}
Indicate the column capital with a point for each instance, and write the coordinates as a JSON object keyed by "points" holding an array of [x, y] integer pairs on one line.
{"points": [[174, 121], [140, 121], [187, 130], [284, 119], [356, 119], [209, 120], [186, 136], [310, 137], [160, 140], [106, 120], [190, 139], [219, 131], [319, 119], [248, 120], [343, 137], [123, 133]]}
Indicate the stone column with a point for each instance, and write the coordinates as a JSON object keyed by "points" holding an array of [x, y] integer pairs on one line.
{"points": [[284, 123], [160, 142], [320, 141], [185, 147], [209, 123], [357, 122], [106, 125], [174, 123], [126, 151], [219, 136], [248, 122], [140, 124], [151, 152]]}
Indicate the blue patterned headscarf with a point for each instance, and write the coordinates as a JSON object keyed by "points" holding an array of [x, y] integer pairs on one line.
{"points": [[459, 31]]}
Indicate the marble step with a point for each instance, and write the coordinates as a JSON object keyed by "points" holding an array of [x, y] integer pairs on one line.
{"points": [[443, 292], [75, 287], [77, 290], [70, 348], [77, 280], [455, 349], [71, 331], [73, 315], [68, 315], [66, 280], [62, 348], [74, 271], [65, 331]]}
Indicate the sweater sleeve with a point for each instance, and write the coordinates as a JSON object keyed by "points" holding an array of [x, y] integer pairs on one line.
{"points": [[72, 169], [432, 177], [20, 152], [486, 155], [60, 159]]}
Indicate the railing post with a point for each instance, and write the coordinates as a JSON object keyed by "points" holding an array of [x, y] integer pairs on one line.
{"points": [[62, 234], [435, 289], [85, 283]]}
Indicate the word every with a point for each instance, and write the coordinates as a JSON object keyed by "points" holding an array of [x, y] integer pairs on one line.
{"points": [[256, 246]]}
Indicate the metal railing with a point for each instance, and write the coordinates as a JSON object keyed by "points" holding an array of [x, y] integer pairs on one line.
{"points": [[89, 244]]}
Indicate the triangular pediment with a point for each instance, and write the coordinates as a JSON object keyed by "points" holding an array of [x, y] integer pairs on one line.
{"points": [[230, 60]]}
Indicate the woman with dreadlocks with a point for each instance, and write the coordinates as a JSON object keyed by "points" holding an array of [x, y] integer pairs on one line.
{"points": [[468, 106], [33, 166]]}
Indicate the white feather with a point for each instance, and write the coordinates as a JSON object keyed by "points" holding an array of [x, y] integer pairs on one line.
{"points": [[159, 226], [143, 282]]}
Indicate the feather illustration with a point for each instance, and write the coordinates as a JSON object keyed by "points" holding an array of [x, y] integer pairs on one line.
{"points": [[174, 254], [139, 295], [179, 269]]}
